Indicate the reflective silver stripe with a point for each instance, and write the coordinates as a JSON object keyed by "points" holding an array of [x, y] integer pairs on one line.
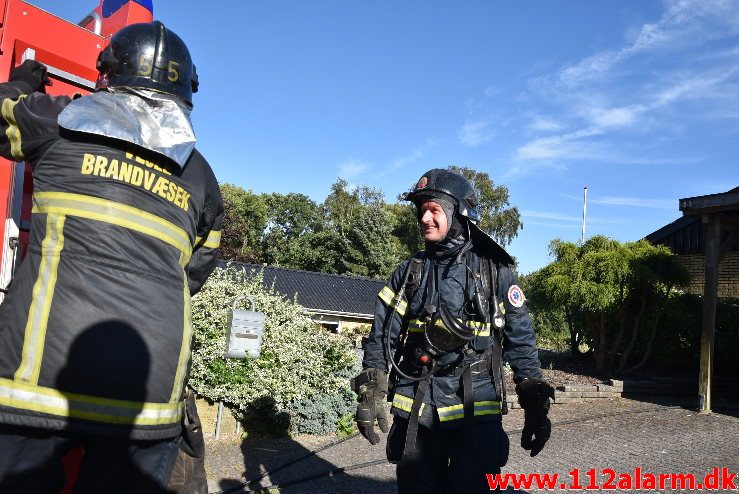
{"points": [[114, 213], [455, 412], [390, 298], [405, 403], [53, 402], [43, 293]]}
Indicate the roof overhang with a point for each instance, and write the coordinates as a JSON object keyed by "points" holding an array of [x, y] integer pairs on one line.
{"points": [[713, 203], [352, 315]]}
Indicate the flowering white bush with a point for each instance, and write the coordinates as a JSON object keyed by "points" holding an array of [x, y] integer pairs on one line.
{"points": [[300, 381]]}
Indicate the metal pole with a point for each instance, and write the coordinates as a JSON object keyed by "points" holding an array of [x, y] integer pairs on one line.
{"points": [[218, 419], [584, 211]]}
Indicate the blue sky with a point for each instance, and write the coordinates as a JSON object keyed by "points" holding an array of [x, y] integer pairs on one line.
{"points": [[638, 100]]}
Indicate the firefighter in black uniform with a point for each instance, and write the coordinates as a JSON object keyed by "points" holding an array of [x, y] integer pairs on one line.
{"points": [[443, 325], [95, 331]]}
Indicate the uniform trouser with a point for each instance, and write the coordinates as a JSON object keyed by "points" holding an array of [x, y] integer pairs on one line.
{"points": [[442, 464], [33, 461]]}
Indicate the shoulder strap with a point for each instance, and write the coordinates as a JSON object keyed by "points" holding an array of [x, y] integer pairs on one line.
{"points": [[415, 273]]}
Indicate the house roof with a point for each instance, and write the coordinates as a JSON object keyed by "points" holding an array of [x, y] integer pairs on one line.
{"points": [[724, 201], [320, 292], [685, 235]]}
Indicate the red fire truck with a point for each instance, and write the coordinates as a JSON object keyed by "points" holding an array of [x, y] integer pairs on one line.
{"points": [[69, 51]]}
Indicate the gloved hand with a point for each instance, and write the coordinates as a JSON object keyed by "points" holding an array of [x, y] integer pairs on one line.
{"points": [[32, 73], [371, 388], [533, 395]]}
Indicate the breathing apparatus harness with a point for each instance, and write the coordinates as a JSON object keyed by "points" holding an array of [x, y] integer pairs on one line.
{"points": [[445, 334]]}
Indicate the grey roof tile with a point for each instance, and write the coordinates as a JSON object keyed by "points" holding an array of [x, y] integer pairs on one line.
{"points": [[320, 291]]}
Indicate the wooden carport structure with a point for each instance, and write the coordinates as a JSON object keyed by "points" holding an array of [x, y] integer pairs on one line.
{"points": [[719, 215]]}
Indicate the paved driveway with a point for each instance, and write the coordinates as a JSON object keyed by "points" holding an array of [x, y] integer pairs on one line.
{"points": [[620, 435]]}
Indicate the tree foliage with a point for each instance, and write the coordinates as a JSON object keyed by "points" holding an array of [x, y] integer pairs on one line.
{"points": [[610, 294], [354, 231], [244, 222], [498, 218]]}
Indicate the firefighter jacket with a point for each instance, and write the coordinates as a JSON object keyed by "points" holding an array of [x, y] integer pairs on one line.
{"points": [[445, 396], [95, 332]]}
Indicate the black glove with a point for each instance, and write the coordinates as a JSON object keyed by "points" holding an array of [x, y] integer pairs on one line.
{"points": [[371, 388], [533, 395], [32, 73]]}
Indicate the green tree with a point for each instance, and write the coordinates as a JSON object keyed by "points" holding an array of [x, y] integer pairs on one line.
{"points": [[373, 250], [498, 218], [608, 290], [293, 214], [323, 251], [290, 216], [405, 228], [344, 204], [244, 222]]}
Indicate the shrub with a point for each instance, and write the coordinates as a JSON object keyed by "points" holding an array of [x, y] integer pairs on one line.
{"points": [[678, 343], [300, 381]]}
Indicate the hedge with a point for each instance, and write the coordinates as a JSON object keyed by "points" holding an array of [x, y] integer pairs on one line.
{"points": [[300, 381]]}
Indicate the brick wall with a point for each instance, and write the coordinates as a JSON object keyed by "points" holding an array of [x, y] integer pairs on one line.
{"points": [[728, 274]]}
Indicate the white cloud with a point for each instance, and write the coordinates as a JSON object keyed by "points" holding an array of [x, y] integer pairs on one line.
{"points": [[617, 117], [415, 154], [685, 23], [548, 215], [636, 202], [650, 83], [352, 168], [549, 224], [568, 145], [476, 132], [545, 124]]}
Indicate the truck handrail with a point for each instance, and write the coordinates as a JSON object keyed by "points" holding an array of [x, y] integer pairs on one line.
{"points": [[93, 16]]}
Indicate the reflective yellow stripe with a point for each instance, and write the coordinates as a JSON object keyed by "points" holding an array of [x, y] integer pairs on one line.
{"points": [[390, 298], [405, 403], [184, 348], [114, 213], [416, 326], [72, 405], [480, 328], [13, 132], [456, 412], [502, 307], [212, 241], [43, 292]]}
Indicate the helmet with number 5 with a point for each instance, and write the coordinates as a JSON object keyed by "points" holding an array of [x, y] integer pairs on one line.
{"points": [[150, 56]]}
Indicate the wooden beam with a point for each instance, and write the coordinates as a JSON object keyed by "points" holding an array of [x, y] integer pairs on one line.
{"points": [[712, 225], [729, 222], [713, 203]]}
